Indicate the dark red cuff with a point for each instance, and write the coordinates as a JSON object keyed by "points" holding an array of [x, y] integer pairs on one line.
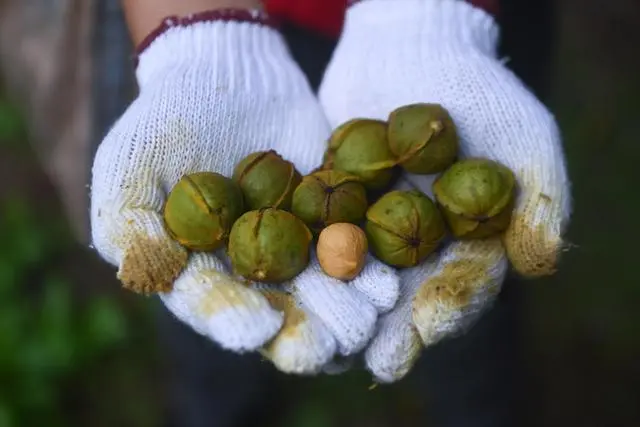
{"points": [[228, 15], [490, 6]]}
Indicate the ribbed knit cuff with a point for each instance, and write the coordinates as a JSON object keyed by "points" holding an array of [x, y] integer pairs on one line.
{"points": [[235, 54], [226, 15]]}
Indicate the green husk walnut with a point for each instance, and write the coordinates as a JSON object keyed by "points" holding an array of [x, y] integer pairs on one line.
{"points": [[200, 210], [327, 197], [266, 180], [423, 137], [403, 228], [360, 147], [269, 245], [477, 197]]}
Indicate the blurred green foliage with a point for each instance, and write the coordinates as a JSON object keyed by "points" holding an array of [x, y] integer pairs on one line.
{"points": [[353, 400], [62, 347], [11, 125], [46, 337]]}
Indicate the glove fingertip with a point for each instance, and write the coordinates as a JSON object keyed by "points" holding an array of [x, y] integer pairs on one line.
{"points": [[379, 283], [534, 240], [532, 250], [445, 306], [151, 265], [344, 310], [151, 260], [303, 345], [467, 278], [235, 316], [392, 354]]}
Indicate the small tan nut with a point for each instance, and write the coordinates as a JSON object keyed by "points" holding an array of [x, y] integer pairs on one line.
{"points": [[342, 249]]}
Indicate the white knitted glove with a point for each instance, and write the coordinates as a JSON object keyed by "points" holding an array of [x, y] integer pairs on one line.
{"points": [[398, 52], [211, 92]]}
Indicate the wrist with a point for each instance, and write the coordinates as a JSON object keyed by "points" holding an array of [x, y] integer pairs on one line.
{"points": [[445, 26]]}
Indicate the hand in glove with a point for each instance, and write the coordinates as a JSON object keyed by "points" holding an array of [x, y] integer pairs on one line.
{"points": [[398, 52], [213, 90]]}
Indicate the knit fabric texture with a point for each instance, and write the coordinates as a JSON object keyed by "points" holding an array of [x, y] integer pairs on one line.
{"points": [[490, 6]]}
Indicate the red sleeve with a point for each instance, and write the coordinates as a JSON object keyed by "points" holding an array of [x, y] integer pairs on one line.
{"points": [[327, 16], [322, 16]]}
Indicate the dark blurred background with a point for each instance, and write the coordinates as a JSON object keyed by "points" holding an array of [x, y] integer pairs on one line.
{"points": [[75, 350]]}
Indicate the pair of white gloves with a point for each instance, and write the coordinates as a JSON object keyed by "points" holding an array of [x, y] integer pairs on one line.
{"points": [[213, 92]]}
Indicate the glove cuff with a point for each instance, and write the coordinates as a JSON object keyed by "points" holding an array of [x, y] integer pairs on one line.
{"points": [[229, 15], [490, 6], [445, 26], [231, 49]]}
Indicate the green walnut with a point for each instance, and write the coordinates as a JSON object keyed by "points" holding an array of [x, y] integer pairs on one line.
{"points": [[404, 227], [359, 147], [269, 245], [266, 180], [423, 138], [200, 210], [476, 197], [327, 197]]}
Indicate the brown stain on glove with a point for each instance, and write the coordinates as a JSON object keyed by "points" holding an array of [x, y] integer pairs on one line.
{"points": [[534, 250], [445, 299], [225, 293], [151, 265], [455, 285], [293, 316], [412, 350]]}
